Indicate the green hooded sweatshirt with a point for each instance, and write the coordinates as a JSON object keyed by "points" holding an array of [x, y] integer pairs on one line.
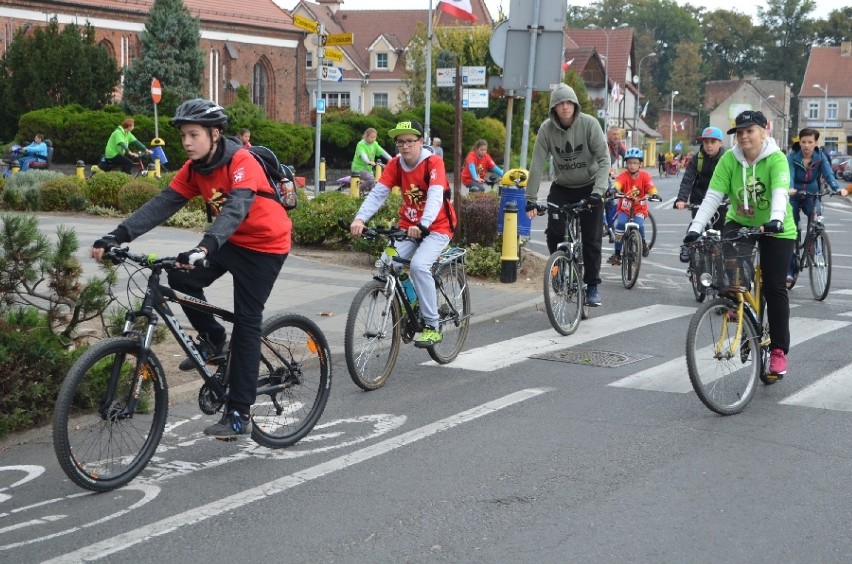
{"points": [[580, 154]]}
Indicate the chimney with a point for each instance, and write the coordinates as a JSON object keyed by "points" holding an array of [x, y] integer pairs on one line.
{"points": [[845, 48], [332, 5]]}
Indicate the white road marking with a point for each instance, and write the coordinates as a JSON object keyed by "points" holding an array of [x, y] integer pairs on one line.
{"points": [[831, 392], [672, 376], [195, 515], [513, 351]]}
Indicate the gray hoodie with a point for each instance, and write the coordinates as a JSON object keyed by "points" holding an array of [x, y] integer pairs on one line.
{"points": [[580, 154]]}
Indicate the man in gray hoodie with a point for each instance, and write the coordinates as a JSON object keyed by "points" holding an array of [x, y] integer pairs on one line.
{"points": [[581, 164]]}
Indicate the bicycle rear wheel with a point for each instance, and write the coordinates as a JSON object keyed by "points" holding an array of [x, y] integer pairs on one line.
{"points": [[722, 369], [453, 312], [99, 443], [819, 265], [372, 338], [631, 258], [563, 293], [650, 230], [294, 381]]}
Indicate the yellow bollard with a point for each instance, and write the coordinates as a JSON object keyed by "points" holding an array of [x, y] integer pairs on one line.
{"points": [[354, 185], [152, 170], [81, 170], [157, 142], [322, 175], [509, 259], [16, 167]]}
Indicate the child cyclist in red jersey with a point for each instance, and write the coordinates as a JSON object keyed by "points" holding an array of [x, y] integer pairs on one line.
{"points": [[422, 179], [636, 184]]}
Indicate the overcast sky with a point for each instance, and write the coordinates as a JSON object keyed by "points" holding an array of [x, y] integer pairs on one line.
{"points": [[824, 7]]}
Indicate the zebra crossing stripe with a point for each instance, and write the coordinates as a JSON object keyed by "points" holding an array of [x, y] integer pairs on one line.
{"points": [[830, 392], [513, 351], [672, 376]]}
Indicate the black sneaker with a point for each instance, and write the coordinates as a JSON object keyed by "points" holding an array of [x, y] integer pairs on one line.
{"points": [[209, 352], [684, 254], [232, 426], [645, 249]]}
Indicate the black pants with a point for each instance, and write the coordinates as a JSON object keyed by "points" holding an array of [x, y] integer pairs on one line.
{"points": [[122, 162], [591, 226], [254, 275], [775, 255]]}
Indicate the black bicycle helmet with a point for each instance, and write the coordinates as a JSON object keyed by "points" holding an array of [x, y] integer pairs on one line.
{"points": [[203, 112]]}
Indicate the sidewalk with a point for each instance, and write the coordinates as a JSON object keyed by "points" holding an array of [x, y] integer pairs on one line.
{"points": [[322, 292]]}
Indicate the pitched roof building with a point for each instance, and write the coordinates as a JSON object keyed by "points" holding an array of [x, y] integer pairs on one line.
{"points": [[373, 71], [825, 98], [259, 48]]}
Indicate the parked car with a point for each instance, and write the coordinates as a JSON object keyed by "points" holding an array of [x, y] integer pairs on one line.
{"points": [[840, 164]]}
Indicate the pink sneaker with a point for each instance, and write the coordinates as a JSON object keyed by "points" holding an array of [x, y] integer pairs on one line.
{"points": [[777, 362]]}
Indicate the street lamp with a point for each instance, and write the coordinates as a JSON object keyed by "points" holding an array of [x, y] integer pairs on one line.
{"points": [[760, 102], [825, 115], [671, 122], [638, 96], [606, 69]]}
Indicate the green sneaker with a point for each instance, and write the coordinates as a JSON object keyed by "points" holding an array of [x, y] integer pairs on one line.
{"points": [[428, 338]]}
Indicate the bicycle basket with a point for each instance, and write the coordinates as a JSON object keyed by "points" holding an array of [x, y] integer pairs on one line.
{"points": [[733, 265]]}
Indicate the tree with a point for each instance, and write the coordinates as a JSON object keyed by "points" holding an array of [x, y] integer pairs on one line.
{"points": [[686, 76], [837, 28], [171, 52], [54, 67], [731, 49], [788, 39]]}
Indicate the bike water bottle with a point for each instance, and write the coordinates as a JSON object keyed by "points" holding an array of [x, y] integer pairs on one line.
{"points": [[408, 286]]}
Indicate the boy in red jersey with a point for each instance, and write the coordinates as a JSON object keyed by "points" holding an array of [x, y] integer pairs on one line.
{"points": [[422, 179], [250, 238], [635, 184]]}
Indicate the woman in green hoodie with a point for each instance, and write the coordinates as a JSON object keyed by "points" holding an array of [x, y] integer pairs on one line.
{"points": [[581, 168]]}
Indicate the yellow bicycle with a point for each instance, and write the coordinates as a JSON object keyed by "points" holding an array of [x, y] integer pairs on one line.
{"points": [[727, 344]]}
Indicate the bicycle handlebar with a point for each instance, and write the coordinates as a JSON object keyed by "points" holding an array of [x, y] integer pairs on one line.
{"points": [[393, 232], [582, 205], [118, 255]]}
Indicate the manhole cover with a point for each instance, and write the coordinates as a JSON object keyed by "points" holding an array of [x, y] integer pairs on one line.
{"points": [[606, 359]]}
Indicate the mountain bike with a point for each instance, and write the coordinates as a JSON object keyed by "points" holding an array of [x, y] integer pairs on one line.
{"points": [[727, 343], [650, 227], [564, 290], [814, 251], [632, 249], [382, 317], [112, 406]]}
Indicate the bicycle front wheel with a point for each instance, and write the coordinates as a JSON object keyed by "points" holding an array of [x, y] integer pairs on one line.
{"points": [[293, 383], [650, 230], [723, 368], [631, 258], [109, 415], [372, 338], [563, 293], [819, 265], [695, 269], [453, 312]]}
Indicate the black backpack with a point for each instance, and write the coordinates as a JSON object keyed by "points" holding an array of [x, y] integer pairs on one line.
{"points": [[281, 177]]}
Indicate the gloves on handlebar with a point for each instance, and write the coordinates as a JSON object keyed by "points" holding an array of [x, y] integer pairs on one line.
{"points": [[774, 226], [691, 237], [107, 242], [531, 206], [595, 200], [192, 256]]}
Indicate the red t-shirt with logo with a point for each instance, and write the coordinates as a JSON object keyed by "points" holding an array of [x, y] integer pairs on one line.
{"points": [[413, 191], [267, 227], [481, 164], [635, 189]]}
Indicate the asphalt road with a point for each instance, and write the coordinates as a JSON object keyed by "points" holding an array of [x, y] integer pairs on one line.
{"points": [[509, 454]]}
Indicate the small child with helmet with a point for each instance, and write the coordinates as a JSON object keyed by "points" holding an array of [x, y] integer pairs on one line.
{"points": [[635, 184]]}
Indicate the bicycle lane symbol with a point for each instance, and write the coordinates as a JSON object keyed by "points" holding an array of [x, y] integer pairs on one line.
{"points": [[37, 517], [325, 437]]}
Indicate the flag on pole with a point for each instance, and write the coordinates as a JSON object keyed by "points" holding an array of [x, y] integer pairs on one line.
{"points": [[566, 65], [683, 125], [615, 93], [644, 111], [460, 9]]}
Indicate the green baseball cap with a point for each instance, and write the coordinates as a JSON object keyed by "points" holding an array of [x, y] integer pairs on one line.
{"points": [[411, 127]]}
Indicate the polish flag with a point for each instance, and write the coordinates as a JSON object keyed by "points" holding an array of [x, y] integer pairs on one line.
{"points": [[566, 65], [460, 9]]}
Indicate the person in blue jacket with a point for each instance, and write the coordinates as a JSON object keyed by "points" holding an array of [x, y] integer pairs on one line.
{"points": [[35, 151], [809, 166]]}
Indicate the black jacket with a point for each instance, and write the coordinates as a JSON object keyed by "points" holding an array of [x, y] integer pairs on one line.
{"points": [[694, 185]]}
